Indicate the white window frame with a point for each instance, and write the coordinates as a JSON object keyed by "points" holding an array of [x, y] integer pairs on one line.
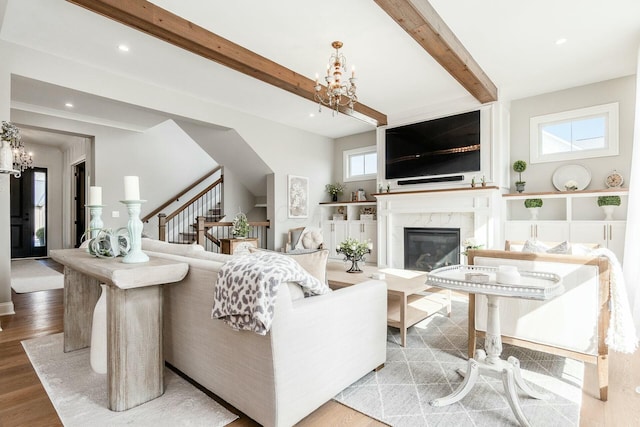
{"points": [[346, 156], [609, 111]]}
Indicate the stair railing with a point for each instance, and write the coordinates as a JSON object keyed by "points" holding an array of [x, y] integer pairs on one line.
{"points": [[177, 197], [179, 226], [210, 233]]}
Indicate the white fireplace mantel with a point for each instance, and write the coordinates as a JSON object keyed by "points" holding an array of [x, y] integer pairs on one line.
{"points": [[476, 211]]}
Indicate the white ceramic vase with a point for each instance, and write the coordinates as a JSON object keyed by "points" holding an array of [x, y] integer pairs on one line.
{"points": [[98, 355], [608, 212], [534, 213]]}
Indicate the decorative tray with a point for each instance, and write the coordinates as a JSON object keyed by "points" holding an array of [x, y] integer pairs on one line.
{"points": [[535, 284], [575, 176]]}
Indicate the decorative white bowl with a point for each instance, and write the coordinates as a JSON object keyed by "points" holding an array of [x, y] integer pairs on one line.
{"points": [[507, 275]]}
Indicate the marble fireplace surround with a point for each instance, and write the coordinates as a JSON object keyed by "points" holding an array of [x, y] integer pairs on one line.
{"points": [[475, 211]]}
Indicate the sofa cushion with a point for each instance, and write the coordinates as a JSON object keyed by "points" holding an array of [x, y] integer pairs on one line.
{"points": [[314, 262], [171, 248]]}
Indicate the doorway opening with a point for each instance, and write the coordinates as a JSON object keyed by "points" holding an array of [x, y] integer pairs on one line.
{"points": [[79, 212], [28, 211]]}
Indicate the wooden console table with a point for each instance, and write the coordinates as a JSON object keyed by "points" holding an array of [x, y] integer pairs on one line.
{"points": [[405, 307], [135, 361]]}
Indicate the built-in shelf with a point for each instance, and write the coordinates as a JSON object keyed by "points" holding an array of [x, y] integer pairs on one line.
{"points": [[436, 190], [360, 202], [567, 215], [569, 194]]}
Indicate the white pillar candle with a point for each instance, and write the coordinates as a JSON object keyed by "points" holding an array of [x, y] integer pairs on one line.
{"points": [[131, 188], [95, 196]]}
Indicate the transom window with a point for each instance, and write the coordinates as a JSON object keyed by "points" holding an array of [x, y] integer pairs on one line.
{"points": [[360, 163], [576, 134]]}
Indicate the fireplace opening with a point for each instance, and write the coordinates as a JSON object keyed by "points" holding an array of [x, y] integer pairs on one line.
{"points": [[426, 249]]}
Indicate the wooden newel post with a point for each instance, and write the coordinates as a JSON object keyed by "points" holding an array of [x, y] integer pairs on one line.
{"points": [[162, 227], [200, 227]]}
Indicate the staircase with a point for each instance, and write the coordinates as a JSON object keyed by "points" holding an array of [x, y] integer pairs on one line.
{"points": [[199, 219]]}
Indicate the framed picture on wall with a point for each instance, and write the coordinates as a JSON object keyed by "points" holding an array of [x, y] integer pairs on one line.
{"points": [[297, 196]]}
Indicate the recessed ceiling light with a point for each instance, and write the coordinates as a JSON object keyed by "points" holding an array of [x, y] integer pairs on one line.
{"points": [[561, 41], [123, 47], [311, 115], [68, 104]]}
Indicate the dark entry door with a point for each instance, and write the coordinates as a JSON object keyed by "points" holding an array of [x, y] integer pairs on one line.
{"points": [[79, 201], [29, 214]]}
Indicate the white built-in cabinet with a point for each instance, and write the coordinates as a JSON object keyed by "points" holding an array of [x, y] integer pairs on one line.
{"points": [[568, 215], [553, 231], [335, 230], [609, 234]]}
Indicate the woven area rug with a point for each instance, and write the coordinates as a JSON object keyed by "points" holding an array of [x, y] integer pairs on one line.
{"points": [[32, 276], [80, 395], [425, 369]]}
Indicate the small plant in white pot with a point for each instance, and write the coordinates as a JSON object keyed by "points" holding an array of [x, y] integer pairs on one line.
{"points": [[240, 226], [519, 166], [534, 206], [608, 205]]}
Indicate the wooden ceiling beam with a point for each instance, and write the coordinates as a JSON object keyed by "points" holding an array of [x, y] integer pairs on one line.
{"points": [[155, 21], [422, 22]]}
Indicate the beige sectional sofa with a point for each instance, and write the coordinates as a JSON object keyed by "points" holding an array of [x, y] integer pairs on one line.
{"points": [[316, 347]]}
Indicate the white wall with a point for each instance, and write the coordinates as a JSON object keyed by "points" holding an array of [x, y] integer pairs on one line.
{"points": [[6, 305], [538, 176], [360, 140]]}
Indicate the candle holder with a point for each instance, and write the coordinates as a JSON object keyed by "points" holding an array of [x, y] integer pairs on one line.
{"points": [[134, 226], [354, 258], [96, 224]]}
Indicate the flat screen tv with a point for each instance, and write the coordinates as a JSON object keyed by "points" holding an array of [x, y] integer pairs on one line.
{"points": [[439, 147]]}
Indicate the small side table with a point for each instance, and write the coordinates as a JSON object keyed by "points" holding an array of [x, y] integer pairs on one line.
{"points": [[535, 285], [228, 246]]}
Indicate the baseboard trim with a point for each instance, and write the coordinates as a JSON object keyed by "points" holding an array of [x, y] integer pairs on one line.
{"points": [[6, 308]]}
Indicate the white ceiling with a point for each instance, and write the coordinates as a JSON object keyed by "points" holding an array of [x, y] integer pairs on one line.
{"points": [[513, 41]]}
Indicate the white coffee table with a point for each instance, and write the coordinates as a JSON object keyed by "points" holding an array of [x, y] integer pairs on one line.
{"points": [[533, 285]]}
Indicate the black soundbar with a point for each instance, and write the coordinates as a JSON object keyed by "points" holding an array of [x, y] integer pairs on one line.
{"points": [[430, 180]]}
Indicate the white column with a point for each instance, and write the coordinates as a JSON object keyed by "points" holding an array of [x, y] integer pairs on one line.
{"points": [[6, 304]]}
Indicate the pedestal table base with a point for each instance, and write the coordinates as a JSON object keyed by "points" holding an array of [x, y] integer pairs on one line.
{"points": [[507, 370]]}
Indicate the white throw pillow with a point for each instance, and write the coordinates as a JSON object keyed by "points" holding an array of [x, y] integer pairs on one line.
{"points": [[534, 246], [562, 248], [315, 263], [312, 239]]}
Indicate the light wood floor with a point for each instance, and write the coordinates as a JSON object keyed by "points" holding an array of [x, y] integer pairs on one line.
{"points": [[23, 401]]}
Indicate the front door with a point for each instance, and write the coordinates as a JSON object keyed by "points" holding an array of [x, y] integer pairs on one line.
{"points": [[28, 207], [79, 202]]}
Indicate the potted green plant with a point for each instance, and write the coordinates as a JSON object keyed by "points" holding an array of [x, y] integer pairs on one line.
{"points": [[534, 206], [240, 226], [520, 166], [608, 205], [334, 190], [354, 251]]}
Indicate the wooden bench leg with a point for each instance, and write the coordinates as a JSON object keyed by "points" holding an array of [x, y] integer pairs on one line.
{"points": [[602, 366], [472, 326]]}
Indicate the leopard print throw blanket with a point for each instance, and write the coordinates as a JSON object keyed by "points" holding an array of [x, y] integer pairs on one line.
{"points": [[247, 287]]}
